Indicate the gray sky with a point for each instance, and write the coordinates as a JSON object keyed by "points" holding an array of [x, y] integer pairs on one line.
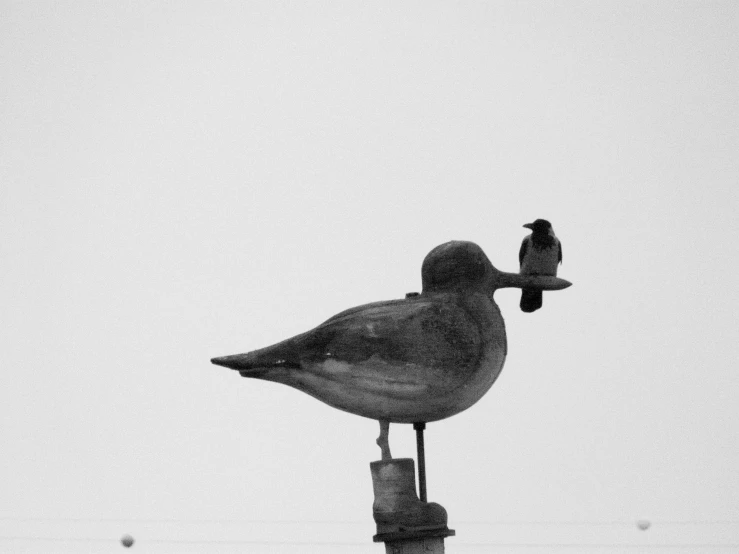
{"points": [[185, 180]]}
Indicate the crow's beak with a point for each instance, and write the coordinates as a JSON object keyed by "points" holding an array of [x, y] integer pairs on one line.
{"points": [[529, 226]]}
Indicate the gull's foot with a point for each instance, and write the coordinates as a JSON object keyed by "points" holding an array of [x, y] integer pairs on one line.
{"points": [[382, 440]]}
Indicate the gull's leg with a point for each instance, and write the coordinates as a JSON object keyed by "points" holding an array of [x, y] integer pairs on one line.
{"points": [[382, 441]]}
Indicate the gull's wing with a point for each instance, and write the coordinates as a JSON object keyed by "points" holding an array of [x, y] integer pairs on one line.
{"points": [[419, 332]]}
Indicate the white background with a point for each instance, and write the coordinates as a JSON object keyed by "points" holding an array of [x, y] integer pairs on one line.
{"points": [[185, 180]]}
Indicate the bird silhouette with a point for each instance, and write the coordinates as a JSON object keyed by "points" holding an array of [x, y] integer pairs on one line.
{"points": [[540, 254], [419, 359]]}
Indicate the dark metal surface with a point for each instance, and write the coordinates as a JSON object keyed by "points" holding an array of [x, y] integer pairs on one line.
{"points": [[419, 427], [413, 535]]}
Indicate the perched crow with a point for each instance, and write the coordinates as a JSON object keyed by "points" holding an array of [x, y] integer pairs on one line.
{"points": [[540, 254]]}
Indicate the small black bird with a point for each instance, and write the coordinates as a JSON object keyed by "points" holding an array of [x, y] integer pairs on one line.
{"points": [[540, 254]]}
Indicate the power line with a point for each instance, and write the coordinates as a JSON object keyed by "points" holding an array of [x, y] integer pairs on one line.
{"points": [[345, 522], [611, 545], [596, 523], [188, 521], [330, 543]]}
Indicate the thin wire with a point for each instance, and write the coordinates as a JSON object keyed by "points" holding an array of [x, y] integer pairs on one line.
{"points": [[346, 522], [612, 545], [328, 543], [65, 539], [616, 522], [184, 541], [188, 521]]}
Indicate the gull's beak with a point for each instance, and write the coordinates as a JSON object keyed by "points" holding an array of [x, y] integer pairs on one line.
{"points": [[504, 280], [529, 226]]}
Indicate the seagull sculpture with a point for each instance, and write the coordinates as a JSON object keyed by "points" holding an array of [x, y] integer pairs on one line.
{"points": [[420, 359]]}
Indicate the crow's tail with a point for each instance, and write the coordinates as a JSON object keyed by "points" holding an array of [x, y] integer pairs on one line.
{"points": [[531, 300]]}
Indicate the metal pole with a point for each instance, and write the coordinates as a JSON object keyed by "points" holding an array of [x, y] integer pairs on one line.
{"points": [[419, 427]]}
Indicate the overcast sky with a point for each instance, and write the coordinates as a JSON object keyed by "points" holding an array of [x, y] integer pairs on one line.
{"points": [[185, 180]]}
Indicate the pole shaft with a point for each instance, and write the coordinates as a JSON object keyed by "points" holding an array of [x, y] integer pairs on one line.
{"points": [[419, 427], [427, 546]]}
